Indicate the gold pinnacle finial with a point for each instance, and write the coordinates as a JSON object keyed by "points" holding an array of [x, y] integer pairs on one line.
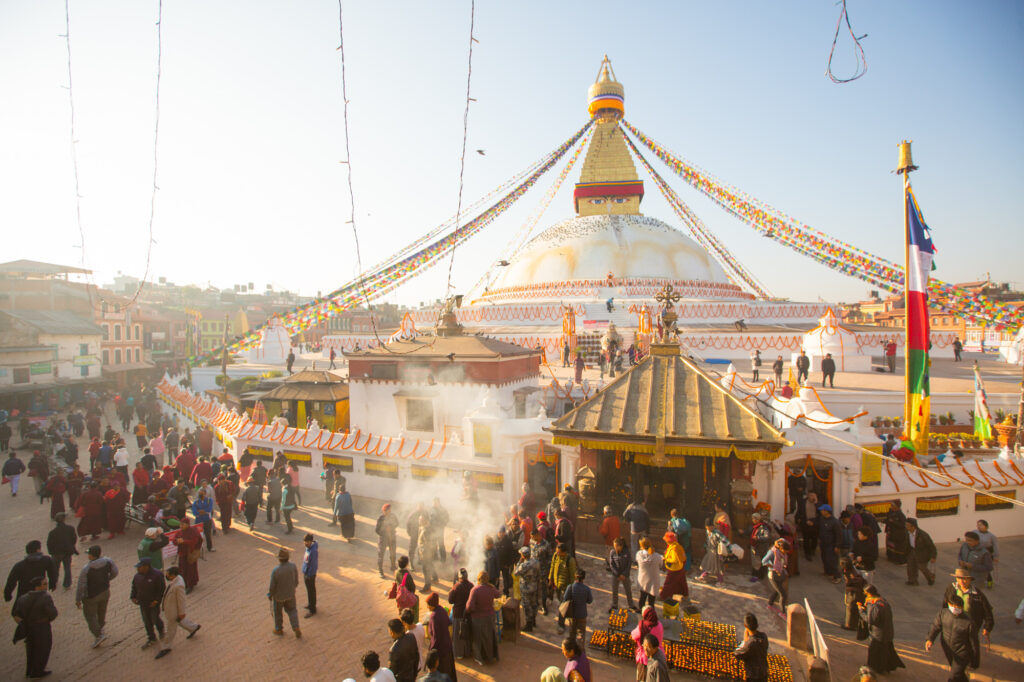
{"points": [[905, 164]]}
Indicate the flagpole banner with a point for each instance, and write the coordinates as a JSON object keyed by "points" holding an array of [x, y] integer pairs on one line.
{"points": [[982, 417], [920, 255]]}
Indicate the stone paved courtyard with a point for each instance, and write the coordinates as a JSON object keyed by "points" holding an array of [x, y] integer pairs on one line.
{"points": [[236, 640]]}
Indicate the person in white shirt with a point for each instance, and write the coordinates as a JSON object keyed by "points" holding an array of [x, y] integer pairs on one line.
{"points": [[121, 459], [372, 669]]}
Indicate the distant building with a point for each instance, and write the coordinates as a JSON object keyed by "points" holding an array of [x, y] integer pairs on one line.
{"points": [[32, 285], [47, 358], [121, 348]]}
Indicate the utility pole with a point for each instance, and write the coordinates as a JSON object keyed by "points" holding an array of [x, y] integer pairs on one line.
{"points": [[1020, 418], [224, 357]]}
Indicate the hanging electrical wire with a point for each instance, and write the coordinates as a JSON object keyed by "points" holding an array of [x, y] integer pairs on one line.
{"points": [[74, 154], [862, 62], [91, 284], [465, 132]]}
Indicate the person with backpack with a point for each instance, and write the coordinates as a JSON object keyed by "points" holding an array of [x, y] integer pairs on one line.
{"points": [[93, 591]]}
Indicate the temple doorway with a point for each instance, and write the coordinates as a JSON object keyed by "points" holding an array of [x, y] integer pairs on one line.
{"points": [[817, 475], [542, 462]]}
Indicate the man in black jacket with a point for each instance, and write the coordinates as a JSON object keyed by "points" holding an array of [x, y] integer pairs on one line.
{"points": [[61, 544], [620, 563], [955, 627], [34, 612], [828, 370], [803, 366], [977, 608], [920, 555], [753, 651], [829, 540], [148, 591], [34, 565], [404, 656]]}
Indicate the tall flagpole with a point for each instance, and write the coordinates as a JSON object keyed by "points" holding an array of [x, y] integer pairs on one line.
{"points": [[904, 166]]}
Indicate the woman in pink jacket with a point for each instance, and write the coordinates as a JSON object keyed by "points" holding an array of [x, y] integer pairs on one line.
{"points": [[649, 624]]}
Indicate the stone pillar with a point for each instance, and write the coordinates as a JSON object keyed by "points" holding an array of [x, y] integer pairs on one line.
{"points": [[798, 631], [819, 671]]}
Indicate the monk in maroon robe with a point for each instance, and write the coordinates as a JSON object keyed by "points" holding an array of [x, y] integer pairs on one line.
{"points": [[115, 498], [225, 492], [159, 486], [90, 502], [56, 487], [189, 542], [75, 480]]}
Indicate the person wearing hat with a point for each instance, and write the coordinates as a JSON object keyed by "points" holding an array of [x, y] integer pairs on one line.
{"points": [[528, 570], [33, 612], [440, 641], [281, 593], [921, 554], [387, 537], [152, 547], [147, 591], [675, 568], [61, 544], [955, 627], [173, 606], [976, 606], [93, 591], [829, 541]]}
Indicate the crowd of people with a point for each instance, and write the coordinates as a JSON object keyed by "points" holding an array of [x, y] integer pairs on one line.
{"points": [[179, 487]]}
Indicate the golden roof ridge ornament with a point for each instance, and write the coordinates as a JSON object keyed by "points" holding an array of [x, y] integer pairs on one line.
{"points": [[668, 297]]}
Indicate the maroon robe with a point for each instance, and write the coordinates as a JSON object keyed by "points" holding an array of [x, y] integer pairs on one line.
{"points": [[74, 483], [225, 493], [56, 486], [191, 541], [91, 503], [116, 498]]}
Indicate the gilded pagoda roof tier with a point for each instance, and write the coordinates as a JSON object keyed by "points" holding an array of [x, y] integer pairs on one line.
{"points": [[310, 385], [667, 405]]}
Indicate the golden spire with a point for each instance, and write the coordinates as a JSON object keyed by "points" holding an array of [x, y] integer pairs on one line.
{"points": [[608, 181]]}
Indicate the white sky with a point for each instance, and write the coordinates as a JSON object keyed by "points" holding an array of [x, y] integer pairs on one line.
{"points": [[251, 136]]}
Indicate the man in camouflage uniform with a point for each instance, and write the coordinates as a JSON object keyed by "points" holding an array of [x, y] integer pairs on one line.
{"points": [[528, 571], [540, 550]]}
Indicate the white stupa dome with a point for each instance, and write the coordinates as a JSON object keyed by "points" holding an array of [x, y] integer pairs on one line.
{"points": [[830, 337], [626, 246]]}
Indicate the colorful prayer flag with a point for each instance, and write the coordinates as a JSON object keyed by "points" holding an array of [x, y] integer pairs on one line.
{"points": [[982, 417], [920, 253]]}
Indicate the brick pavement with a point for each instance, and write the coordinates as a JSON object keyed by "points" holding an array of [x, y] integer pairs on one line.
{"points": [[236, 640]]}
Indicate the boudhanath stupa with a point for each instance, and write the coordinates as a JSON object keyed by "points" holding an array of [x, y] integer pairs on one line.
{"points": [[606, 265]]}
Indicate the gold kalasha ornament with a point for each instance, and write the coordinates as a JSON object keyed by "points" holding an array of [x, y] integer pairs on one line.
{"points": [[906, 161]]}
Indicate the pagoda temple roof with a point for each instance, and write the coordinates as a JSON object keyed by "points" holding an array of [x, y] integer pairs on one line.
{"points": [[666, 405], [310, 384]]}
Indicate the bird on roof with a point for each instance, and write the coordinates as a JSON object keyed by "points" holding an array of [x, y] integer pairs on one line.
{"points": [[451, 357], [481, 152]]}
